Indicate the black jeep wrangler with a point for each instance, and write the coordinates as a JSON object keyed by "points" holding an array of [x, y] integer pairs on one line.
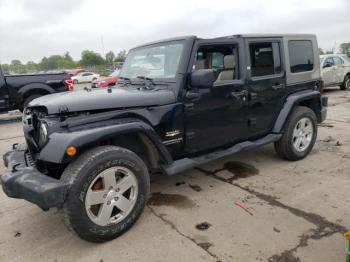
{"points": [[180, 103]]}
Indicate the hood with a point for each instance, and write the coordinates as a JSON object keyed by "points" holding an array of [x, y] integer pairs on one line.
{"points": [[83, 100]]}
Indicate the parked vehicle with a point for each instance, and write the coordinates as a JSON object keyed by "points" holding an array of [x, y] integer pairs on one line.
{"points": [[73, 72], [335, 70], [110, 80], [16, 91], [84, 77], [180, 103]]}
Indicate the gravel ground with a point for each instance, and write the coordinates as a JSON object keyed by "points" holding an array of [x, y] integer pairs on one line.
{"points": [[248, 207]]}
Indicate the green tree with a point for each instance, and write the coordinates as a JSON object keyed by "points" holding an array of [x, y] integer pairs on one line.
{"points": [[31, 67], [17, 67], [121, 56], [68, 61], [91, 58], [345, 48], [110, 57]]}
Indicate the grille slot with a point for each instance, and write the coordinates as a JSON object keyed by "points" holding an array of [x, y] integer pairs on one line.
{"points": [[30, 161]]}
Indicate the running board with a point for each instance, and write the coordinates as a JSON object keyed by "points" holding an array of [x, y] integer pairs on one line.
{"points": [[188, 163]]}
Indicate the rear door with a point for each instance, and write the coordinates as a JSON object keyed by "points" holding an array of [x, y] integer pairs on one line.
{"points": [[267, 83]]}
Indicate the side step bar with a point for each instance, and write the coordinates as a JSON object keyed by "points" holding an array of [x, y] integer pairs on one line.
{"points": [[188, 163]]}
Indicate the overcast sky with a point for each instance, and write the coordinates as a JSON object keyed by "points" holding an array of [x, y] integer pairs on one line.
{"points": [[31, 29]]}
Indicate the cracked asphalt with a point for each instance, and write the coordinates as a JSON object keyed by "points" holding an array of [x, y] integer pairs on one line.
{"points": [[249, 207]]}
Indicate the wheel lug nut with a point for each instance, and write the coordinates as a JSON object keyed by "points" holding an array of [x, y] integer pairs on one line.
{"points": [[105, 195], [108, 202], [116, 198], [117, 190]]}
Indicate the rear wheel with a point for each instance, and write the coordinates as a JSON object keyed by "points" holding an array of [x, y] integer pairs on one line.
{"points": [[75, 81], [346, 83], [299, 134], [109, 187]]}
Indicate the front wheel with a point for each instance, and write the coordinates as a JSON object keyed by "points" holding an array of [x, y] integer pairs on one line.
{"points": [[109, 187], [75, 81], [346, 83], [299, 135]]}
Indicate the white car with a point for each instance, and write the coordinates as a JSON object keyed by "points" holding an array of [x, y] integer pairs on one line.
{"points": [[84, 77], [335, 70]]}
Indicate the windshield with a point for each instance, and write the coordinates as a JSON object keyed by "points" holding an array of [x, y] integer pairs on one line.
{"points": [[159, 61]]}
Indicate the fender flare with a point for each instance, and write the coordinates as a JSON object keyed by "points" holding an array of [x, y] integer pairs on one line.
{"points": [[290, 103], [33, 87], [55, 149]]}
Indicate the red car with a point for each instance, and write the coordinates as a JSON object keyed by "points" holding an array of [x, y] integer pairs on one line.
{"points": [[110, 80]]}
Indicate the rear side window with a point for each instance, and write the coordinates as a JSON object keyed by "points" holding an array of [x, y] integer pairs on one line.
{"points": [[301, 56], [338, 61], [265, 59]]}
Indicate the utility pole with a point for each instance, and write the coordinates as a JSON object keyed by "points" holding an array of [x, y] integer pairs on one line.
{"points": [[103, 46]]}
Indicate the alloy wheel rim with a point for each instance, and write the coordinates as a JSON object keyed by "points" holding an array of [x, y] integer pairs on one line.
{"points": [[302, 134], [347, 83], [111, 196]]}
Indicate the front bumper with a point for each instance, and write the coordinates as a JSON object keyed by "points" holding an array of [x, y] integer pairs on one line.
{"points": [[23, 180]]}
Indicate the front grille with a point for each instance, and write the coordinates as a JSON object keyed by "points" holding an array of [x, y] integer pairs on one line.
{"points": [[30, 161], [31, 124]]}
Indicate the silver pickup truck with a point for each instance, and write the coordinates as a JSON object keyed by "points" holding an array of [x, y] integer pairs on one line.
{"points": [[335, 70]]}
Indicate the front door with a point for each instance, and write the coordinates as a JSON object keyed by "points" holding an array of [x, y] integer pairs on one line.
{"points": [[267, 84], [328, 71], [4, 96], [339, 73], [216, 116]]}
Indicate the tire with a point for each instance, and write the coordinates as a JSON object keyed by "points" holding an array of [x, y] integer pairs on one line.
{"points": [[289, 147], [75, 81], [29, 99], [346, 83], [87, 221]]}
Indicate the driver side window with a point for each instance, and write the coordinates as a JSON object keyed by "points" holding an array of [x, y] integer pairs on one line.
{"points": [[329, 61], [221, 58]]}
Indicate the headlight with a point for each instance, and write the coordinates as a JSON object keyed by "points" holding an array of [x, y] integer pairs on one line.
{"points": [[42, 134]]}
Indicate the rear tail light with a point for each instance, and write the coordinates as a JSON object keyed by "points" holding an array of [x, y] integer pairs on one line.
{"points": [[69, 84]]}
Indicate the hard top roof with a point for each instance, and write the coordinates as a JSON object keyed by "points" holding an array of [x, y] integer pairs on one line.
{"points": [[188, 37]]}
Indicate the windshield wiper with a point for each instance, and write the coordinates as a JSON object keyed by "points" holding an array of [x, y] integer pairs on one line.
{"points": [[148, 82], [126, 80]]}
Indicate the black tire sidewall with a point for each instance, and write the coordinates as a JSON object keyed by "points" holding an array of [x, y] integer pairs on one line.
{"points": [[29, 99], [344, 87], [75, 203], [294, 120]]}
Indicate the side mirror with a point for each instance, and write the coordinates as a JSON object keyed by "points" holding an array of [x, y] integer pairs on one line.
{"points": [[203, 78], [327, 65]]}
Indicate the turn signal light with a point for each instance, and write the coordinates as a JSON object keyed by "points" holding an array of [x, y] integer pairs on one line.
{"points": [[71, 151]]}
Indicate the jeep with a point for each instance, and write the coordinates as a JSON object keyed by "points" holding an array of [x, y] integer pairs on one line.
{"points": [[179, 103]]}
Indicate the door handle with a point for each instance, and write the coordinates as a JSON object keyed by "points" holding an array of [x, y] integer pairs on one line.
{"points": [[277, 86], [240, 94], [192, 95]]}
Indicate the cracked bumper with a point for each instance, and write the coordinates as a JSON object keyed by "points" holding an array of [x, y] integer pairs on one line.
{"points": [[21, 180]]}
